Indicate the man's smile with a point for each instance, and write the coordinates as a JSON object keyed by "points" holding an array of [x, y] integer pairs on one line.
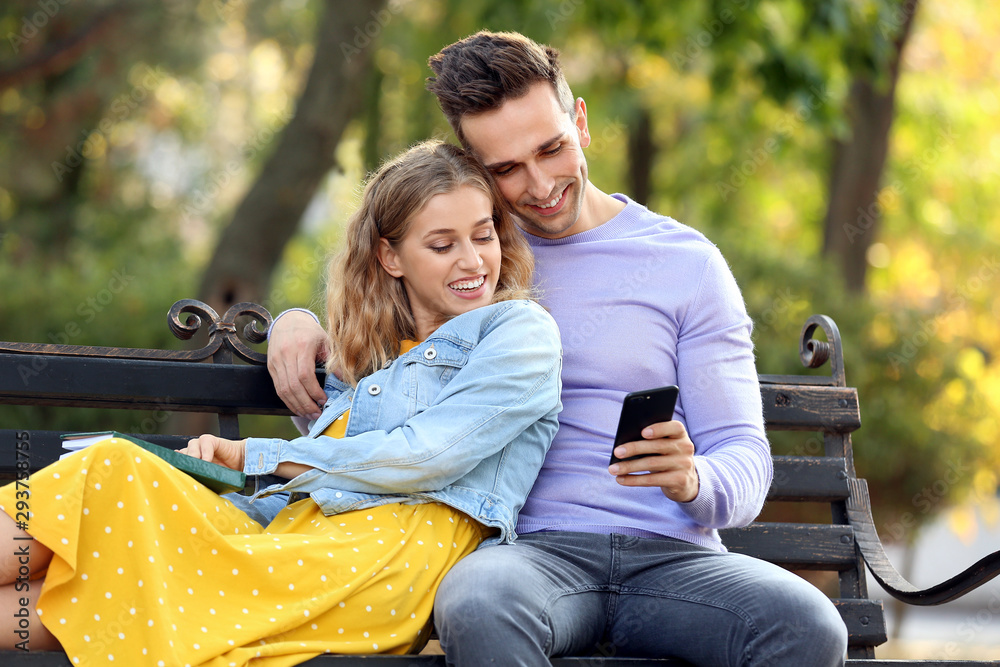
{"points": [[552, 206]]}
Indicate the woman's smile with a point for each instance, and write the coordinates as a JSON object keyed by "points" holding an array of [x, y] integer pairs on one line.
{"points": [[469, 287]]}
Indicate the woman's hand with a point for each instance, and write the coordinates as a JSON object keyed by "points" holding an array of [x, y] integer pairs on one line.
{"points": [[230, 453], [667, 457]]}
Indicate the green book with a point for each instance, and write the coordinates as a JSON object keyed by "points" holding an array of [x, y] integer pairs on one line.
{"points": [[216, 477]]}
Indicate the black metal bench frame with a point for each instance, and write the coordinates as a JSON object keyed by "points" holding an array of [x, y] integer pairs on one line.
{"points": [[210, 379]]}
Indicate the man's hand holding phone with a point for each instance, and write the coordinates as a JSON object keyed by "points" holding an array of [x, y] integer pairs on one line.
{"points": [[652, 449], [667, 459]]}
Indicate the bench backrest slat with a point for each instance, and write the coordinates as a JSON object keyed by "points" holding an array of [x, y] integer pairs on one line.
{"points": [[130, 384], [796, 546], [791, 408], [815, 478], [190, 386]]}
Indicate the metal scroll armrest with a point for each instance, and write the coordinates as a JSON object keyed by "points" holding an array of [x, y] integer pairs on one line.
{"points": [[860, 515]]}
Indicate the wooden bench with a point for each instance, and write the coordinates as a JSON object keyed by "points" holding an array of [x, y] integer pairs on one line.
{"points": [[227, 377]]}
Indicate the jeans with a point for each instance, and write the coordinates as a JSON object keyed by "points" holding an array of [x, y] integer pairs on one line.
{"points": [[567, 593]]}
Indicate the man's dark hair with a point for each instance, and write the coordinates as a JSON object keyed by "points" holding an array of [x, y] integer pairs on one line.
{"points": [[482, 71]]}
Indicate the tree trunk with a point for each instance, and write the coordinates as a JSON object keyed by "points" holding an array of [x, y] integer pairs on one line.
{"points": [[373, 121], [853, 212], [60, 55], [252, 244], [641, 154]]}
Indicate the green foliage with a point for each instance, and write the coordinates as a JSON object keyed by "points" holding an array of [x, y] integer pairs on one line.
{"points": [[130, 158], [918, 444], [113, 287], [918, 341]]}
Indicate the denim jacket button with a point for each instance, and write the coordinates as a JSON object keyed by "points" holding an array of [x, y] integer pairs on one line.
{"points": [[374, 390], [388, 362], [430, 353]]}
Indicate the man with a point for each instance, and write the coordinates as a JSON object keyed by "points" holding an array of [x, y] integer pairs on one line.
{"points": [[626, 559]]}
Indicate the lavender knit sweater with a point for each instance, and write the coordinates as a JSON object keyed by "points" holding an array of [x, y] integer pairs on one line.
{"points": [[644, 301]]}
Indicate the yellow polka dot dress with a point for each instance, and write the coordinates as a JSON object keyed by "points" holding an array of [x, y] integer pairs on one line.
{"points": [[149, 567]]}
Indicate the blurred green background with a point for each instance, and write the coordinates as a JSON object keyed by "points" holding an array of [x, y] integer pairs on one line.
{"points": [[844, 155]]}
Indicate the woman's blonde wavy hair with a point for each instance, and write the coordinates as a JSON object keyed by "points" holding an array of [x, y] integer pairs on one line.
{"points": [[367, 309]]}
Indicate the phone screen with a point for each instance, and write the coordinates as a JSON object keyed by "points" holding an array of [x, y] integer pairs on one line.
{"points": [[641, 409]]}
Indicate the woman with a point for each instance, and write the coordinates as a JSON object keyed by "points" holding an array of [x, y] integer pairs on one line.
{"points": [[443, 393]]}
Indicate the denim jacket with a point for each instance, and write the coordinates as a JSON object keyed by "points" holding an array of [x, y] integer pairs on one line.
{"points": [[464, 418]]}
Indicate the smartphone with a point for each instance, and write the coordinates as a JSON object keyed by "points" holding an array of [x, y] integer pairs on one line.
{"points": [[641, 409]]}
